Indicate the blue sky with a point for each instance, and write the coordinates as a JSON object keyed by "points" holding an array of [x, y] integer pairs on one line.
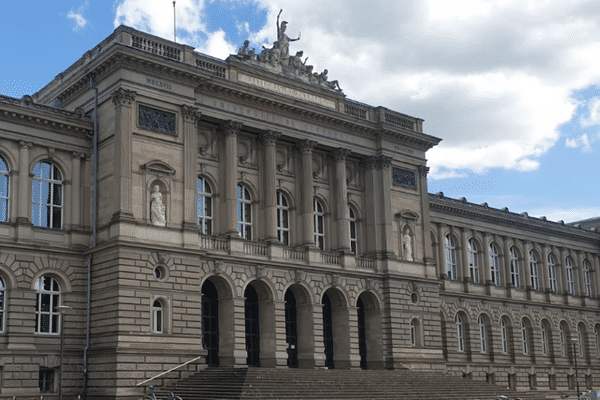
{"points": [[512, 87]]}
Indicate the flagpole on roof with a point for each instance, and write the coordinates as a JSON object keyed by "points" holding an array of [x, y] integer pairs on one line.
{"points": [[174, 23]]}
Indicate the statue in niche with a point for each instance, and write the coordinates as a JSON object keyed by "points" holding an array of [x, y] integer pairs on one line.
{"points": [[283, 39], [157, 208], [407, 245]]}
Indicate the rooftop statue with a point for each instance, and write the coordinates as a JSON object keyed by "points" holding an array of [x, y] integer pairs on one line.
{"points": [[278, 57]]}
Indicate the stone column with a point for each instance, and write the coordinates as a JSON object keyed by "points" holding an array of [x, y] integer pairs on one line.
{"points": [[190, 166], [441, 250], [595, 276], [562, 271], [229, 130], [505, 272], [232, 332], [269, 139], [308, 231], [341, 199], [23, 184], [543, 273], [123, 100], [272, 334], [486, 275], [464, 251], [76, 199], [425, 221], [527, 259], [578, 274]]}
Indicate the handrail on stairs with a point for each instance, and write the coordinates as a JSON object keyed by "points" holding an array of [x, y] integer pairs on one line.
{"points": [[172, 369]]}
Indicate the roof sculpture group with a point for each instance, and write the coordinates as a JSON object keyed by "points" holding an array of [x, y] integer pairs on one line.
{"points": [[279, 56]]}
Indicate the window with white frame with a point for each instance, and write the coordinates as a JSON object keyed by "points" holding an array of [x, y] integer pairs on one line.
{"points": [[580, 340], [544, 339], [587, 285], [47, 196], [482, 334], [353, 234], [47, 316], [460, 333], [515, 278], [504, 335], [570, 278], [157, 317], [524, 337], [415, 335], [473, 261], [205, 207], [319, 214], [552, 273], [494, 265], [4, 190], [563, 340], [533, 271], [244, 211], [283, 218], [2, 304], [450, 250]]}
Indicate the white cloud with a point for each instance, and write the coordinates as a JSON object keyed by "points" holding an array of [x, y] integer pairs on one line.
{"points": [[217, 45], [77, 16], [593, 115]]}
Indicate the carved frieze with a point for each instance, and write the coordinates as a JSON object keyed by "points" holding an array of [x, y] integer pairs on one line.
{"points": [[404, 178], [157, 120]]}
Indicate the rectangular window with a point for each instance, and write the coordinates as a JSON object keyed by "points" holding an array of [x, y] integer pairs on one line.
{"points": [[46, 380]]}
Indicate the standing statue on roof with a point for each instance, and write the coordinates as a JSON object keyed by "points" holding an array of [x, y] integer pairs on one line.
{"points": [[283, 39]]}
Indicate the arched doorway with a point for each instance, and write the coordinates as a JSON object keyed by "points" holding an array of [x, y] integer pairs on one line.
{"points": [[369, 331], [251, 309], [299, 322], [328, 331], [291, 329], [362, 337], [336, 329], [210, 323]]}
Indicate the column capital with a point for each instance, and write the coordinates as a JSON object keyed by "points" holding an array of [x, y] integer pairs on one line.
{"points": [[339, 154], [269, 137], [25, 145], [190, 114], [377, 162], [123, 97], [230, 127], [423, 170], [306, 146], [79, 155]]}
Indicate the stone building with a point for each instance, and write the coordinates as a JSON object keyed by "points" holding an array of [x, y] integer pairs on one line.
{"points": [[246, 213]]}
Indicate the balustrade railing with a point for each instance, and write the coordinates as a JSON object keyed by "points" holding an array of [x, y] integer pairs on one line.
{"points": [[255, 249], [365, 263], [330, 258], [400, 121], [155, 47], [218, 70], [213, 243], [290, 253]]}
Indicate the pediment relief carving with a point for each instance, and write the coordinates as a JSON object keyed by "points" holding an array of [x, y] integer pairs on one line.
{"points": [[159, 168]]}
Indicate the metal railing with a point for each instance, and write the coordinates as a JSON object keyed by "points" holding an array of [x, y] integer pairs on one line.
{"points": [[171, 370]]}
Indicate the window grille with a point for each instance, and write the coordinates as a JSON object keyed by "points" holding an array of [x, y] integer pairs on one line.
{"points": [[47, 196], [47, 299]]}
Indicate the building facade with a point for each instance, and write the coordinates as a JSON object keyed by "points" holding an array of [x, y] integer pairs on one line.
{"points": [[246, 213]]}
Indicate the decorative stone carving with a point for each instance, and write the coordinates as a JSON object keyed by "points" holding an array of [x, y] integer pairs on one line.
{"points": [[157, 208], [244, 52], [260, 271], [306, 146], [157, 120], [423, 170], [123, 97], [407, 248], [377, 162], [300, 276], [190, 113], [404, 178], [339, 154], [218, 267], [230, 127], [162, 257], [336, 280], [269, 137]]}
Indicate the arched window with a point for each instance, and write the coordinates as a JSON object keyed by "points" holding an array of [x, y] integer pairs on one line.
{"points": [[563, 339], [524, 337], [319, 224], [415, 332], [533, 271], [580, 340], [2, 304], [494, 265], [460, 333], [47, 196], [597, 339], [570, 279], [244, 211], [504, 336], [482, 334], [450, 250], [157, 317], [4, 190], [587, 286], [205, 207], [473, 261], [283, 218], [544, 338], [47, 317], [353, 234], [515, 278], [552, 273]]}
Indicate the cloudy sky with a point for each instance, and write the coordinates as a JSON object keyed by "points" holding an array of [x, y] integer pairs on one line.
{"points": [[510, 86]]}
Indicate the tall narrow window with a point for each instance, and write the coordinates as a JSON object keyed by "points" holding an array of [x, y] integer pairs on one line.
{"points": [[460, 333], [504, 336], [473, 261], [494, 265], [580, 340], [4, 190], [587, 286], [482, 334], [157, 316], [2, 305], [515, 278], [319, 224], [597, 340], [524, 337], [552, 273], [244, 211], [563, 340], [47, 317], [205, 209], [570, 279], [353, 235], [415, 335], [47, 196], [533, 271], [450, 249], [46, 380], [283, 218], [544, 337]]}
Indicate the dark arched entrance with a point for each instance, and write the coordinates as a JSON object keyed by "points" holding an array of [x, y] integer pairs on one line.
{"points": [[291, 329], [369, 331], [362, 337], [252, 327], [210, 323], [328, 331]]}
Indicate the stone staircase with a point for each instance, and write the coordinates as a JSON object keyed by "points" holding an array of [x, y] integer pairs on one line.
{"points": [[265, 383]]}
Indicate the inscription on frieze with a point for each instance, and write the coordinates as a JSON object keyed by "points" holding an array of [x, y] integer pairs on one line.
{"points": [[404, 178], [157, 120]]}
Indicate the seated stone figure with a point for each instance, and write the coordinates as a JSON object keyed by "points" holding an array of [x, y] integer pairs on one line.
{"points": [[322, 77], [245, 53]]}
